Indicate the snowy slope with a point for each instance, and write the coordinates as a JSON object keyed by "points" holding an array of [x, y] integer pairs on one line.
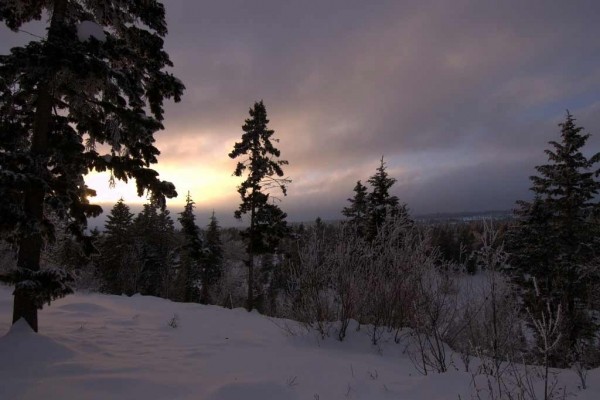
{"points": [[95, 346]]}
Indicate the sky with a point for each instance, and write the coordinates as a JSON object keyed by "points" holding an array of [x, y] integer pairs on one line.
{"points": [[460, 97]]}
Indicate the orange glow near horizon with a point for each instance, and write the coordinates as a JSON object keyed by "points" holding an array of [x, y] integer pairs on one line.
{"points": [[206, 186]]}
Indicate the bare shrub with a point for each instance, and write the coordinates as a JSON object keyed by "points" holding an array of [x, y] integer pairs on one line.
{"points": [[501, 378], [312, 284], [435, 314], [231, 289], [173, 321], [342, 277], [547, 327], [490, 322], [518, 381], [395, 259]]}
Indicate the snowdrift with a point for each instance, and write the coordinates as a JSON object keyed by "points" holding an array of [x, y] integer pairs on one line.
{"points": [[94, 346]]}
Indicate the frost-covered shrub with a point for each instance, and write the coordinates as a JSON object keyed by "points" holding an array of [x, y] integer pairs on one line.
{"points": [[397, 256], [433, 320], [342, 276], [490, 321], [231, 289], [311, 284]]}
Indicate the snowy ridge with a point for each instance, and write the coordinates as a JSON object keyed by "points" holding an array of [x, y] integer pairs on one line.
{"points": [[95, 346]]}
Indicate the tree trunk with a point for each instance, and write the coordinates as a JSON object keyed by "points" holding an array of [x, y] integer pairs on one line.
{"points": [[204, 293], [33, 205], [250, 302]]}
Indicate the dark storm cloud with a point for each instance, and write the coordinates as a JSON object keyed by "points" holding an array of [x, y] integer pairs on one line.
{"points": [[461, 97]]}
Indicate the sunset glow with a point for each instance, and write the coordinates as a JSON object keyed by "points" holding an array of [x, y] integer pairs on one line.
{"points": [[460, 100], [205, 185]]}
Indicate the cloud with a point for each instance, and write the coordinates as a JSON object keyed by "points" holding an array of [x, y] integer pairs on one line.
{"points": [[461, 97]]}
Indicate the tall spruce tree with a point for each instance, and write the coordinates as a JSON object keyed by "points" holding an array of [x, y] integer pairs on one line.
{"points": [[212, 265], [97, 78], [357, 211], [263, 173], [115, 247], [191, 252], [155, 243], [556, 238]]}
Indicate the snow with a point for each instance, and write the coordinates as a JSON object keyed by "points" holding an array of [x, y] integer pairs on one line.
{"points": [[90, 29], [94, 346]]}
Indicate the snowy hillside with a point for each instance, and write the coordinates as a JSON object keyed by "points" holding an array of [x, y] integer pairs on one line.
{"points": [[109, 347]]}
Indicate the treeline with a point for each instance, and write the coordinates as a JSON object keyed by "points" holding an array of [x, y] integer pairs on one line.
{"points": [[147, 255]]}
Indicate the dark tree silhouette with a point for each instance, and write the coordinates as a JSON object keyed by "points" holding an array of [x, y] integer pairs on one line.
{"points": [[263, 173], [62, 96], [556, 238]]}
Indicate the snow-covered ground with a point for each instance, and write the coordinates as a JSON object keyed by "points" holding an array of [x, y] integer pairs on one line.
{"points": [[94, 346]]}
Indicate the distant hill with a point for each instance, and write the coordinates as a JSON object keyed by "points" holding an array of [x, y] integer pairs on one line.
{"points": [[465, 216]]}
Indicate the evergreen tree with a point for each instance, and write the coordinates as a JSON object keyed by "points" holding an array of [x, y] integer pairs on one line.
{"points": [[381, 204], [59, 98], [212, 267], [155, 242], [191, 252], [555, 240], [264, 172], [358, 210], [119, 221], [115, 249]]}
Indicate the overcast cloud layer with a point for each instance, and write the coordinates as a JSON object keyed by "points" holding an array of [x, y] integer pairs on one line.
{"points": [[460, 97]]}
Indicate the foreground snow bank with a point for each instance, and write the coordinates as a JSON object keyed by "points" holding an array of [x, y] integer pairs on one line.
{"points": [[109, 347]]}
